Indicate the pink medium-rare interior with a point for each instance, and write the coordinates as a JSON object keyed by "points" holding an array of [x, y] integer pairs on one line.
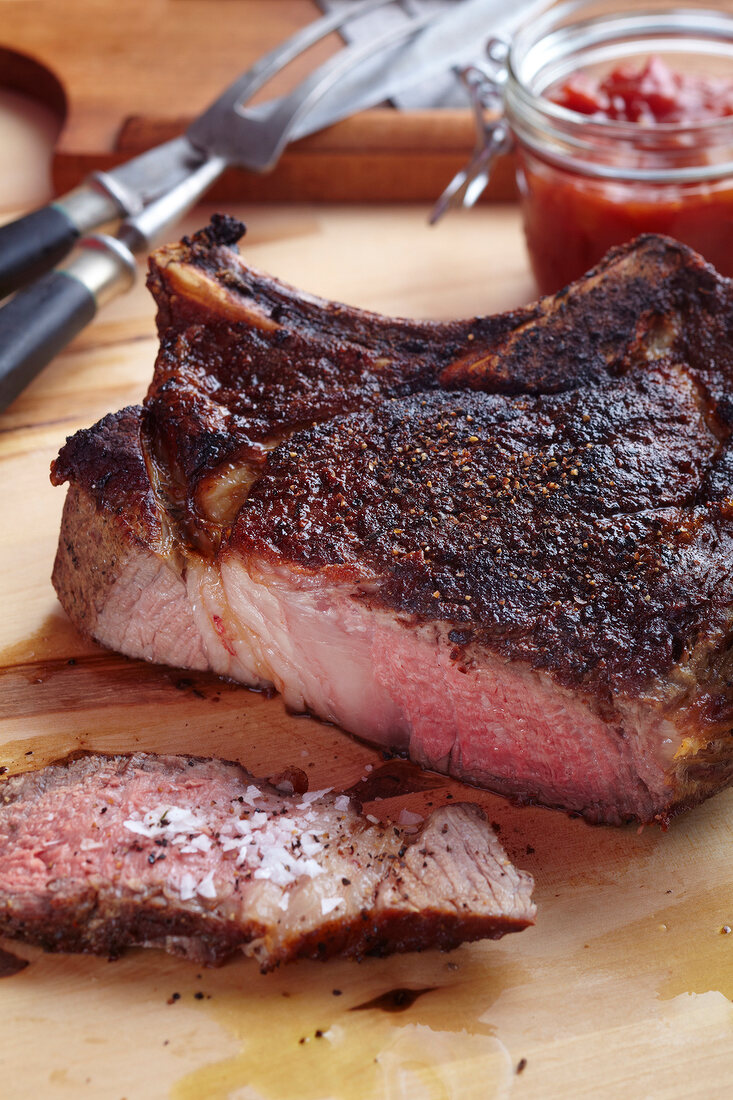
{"points": [[64, 831], [193, 838], [500, 724], [397, 685], [198, 856], [506, 726]]}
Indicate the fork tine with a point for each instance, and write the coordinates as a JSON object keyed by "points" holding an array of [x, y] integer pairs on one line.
{"points": [[356, 77], [250, 82], [327, 74], [453, 194], [266, 131]]}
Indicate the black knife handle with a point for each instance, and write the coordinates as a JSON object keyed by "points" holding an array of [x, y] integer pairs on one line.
{"points": [[36, 325], [33, 244]]}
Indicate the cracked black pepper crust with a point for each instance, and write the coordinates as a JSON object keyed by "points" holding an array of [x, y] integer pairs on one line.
{"points": [[244, 358]]}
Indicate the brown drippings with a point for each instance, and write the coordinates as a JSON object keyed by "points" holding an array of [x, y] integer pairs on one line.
{"points": [[11, 964], [394, 1000], [54, 640], [96, 679], [680, 942], [311, 1044], [396, 777], [290, 780]]}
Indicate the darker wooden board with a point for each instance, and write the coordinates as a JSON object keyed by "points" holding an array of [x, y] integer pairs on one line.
{"points": [[122, 79]]}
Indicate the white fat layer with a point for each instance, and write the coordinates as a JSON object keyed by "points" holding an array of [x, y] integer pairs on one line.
{"points": [[295, 636]]}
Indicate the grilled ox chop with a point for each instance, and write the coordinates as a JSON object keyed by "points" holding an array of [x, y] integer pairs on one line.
{"points": [[196, 856], [502, 545]]}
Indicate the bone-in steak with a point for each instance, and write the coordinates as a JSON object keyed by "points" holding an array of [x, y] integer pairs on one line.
{"points": [[502, 546], [196, 856]]}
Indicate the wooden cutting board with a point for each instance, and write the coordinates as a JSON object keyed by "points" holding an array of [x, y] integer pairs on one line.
{"points": [[122, 78], [621, 990]]}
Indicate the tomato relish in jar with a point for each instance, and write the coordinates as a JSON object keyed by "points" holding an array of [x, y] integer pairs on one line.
{"points": [[623, 122], [648, 95]]}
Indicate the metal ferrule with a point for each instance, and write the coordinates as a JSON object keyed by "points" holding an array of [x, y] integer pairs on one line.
{"points": [[104, 265], [100, 200], [89, 206]]}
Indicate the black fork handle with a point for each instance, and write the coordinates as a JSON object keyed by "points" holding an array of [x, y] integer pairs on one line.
{"points": [[36, 325], [33, 244], [36, 243], [43, 318]]}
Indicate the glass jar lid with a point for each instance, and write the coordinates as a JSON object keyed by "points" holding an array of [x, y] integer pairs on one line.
{"points": [[593, 36]]}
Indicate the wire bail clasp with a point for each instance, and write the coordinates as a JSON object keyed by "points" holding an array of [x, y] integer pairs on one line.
{"points": [[485, 88]]}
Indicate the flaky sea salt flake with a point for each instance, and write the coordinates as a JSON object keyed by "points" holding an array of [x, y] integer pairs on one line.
{"points": [[329, 904]]}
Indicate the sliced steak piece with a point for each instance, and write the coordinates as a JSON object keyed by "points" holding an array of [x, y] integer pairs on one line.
{"points": [[195, 856], [502, 546]]}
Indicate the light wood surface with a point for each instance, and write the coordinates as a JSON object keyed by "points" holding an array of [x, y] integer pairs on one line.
{"points": [[124, 77], [621, 990]]}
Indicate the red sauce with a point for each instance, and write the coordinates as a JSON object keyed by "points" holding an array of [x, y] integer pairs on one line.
{"points": [[571, 219], [651, 95]]}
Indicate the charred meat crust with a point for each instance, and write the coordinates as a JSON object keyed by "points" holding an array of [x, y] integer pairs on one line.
{"points": [[226, 387], [108, 461], [652, 297], [112, 516], [76, 903], [245, 359], [86, 534], [223, 282], [80, 922], [131, 572]]}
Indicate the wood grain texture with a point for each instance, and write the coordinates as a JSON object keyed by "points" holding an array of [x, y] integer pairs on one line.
{"points": [[126, 77], [623, 987]]}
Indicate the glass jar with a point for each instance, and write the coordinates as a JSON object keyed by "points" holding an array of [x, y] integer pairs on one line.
{"points": [[588, 183]]}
